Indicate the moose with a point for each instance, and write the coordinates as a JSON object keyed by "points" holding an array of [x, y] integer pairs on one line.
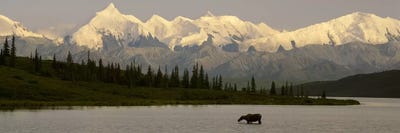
{"points": [[250, 118]]}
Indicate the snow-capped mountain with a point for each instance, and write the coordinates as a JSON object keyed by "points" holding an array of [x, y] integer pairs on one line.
{"points": [[362, 27], [225, 30], [227, 45], [10, 27], [180, 31], [109, 23]]}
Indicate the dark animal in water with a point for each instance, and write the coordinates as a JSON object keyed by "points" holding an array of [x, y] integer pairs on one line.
{"points": [[251, 118]]}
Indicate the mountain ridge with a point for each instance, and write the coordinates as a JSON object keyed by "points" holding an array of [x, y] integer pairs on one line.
{"points": [[185, 32]]}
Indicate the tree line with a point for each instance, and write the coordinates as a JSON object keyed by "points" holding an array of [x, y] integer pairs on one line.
{"points": [[133, 76], [8, 54]]}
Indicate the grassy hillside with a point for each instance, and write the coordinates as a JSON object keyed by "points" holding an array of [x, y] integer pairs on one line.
{"points": [[22, 88], [382, 84]]}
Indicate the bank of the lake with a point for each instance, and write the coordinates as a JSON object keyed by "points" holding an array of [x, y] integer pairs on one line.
{"points": [[21, 88]]}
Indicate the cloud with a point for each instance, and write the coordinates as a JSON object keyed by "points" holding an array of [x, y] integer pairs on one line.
{"points": [[58, 31]]}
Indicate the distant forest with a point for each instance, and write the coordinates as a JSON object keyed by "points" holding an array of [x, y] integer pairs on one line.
{"points": [[132, 76]]}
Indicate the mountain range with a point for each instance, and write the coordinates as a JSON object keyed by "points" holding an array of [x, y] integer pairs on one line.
{"points": [[351, 44]]}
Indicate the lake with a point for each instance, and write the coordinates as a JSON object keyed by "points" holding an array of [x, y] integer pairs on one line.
{"points": [[374, 115]]}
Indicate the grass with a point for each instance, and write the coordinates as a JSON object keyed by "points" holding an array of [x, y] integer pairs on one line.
{"points": [[20, 88]]}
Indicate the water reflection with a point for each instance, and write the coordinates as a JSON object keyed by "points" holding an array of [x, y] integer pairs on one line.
{"points": [[375, 115]]}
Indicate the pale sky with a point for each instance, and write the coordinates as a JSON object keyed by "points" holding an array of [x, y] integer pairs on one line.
{"points": [[279, 14]]}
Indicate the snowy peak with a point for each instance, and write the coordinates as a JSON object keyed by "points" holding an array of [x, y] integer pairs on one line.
{"points": [[358, 26], [9, 27], [112, 13], [112, 24], [157, 19], [182, 31], [125, 29], [110, 9]]}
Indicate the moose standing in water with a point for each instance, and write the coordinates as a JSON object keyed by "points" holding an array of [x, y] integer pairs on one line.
{"points": [[250, 118]]}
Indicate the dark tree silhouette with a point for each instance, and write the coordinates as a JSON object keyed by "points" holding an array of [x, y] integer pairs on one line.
{"points": [[13, 55], [253, 84], [273, 89], [6, 48]]}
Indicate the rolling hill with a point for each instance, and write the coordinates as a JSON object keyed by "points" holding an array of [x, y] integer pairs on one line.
{"points": [[380, 84]]}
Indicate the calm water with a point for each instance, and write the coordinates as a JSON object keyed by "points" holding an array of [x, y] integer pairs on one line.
{"points": [[374, 115]]}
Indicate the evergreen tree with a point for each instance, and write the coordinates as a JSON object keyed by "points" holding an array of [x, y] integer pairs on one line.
{"points": [[273, 89], [235, 87], [206, 83], [323, 96], [158, 78], [194, 80], [283, 90], [149, 77], [13, 55], [2, 58], [69, 58], [54, 62], [165, 82], [220, 82], [201, 80], [37, 62], [185, 79], [253, 84], [174, 80], [6, 48]]}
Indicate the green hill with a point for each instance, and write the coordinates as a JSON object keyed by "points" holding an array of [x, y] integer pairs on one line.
{"points": [[381, 84]]}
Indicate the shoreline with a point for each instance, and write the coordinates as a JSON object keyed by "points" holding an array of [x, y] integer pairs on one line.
{"points": [[38, 105]]}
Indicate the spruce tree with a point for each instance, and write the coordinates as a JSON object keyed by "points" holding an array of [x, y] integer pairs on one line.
{"points": [[158, 78], [194, 80], [13, 55], [54, 62], [253, 84], [149, 77], [185, 79], [165, 82], [37, 61], [1, 58], [214, 83], [206, 83], [174, 80], [323, 96], [283, 90], [220, 82], [176, 73], [6, 48], [69, 58], [200, 81], [273, 89]]}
